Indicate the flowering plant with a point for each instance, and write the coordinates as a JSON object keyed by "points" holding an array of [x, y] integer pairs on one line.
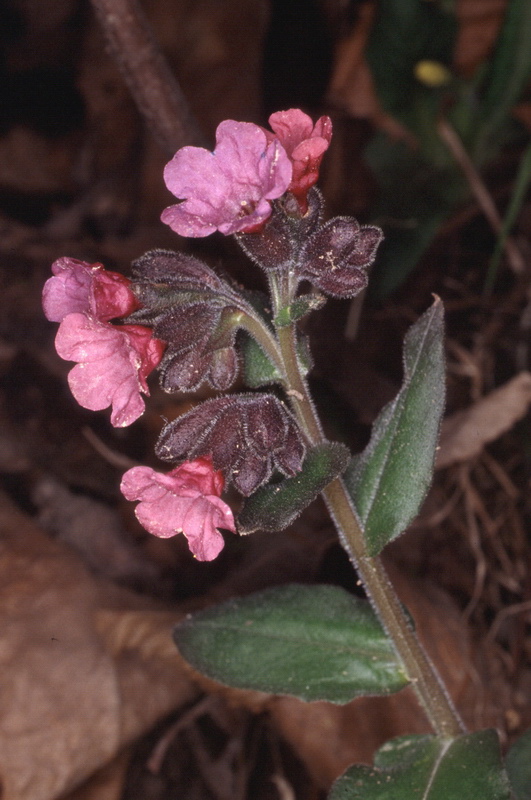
{"points": [[178, 316]]}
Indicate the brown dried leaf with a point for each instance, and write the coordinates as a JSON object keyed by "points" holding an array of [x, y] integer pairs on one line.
{"points": [[479, 23], [81, 677], [107, 783], [465, 433]]}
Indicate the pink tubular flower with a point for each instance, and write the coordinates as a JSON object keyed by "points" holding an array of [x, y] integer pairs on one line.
{"points": [[77, 286], [185, 500], [228, 190], [305, 144], [114, 362]]}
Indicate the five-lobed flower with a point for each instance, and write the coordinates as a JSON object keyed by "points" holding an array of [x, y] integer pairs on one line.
{"points": [[230, 189], [185, 500]]}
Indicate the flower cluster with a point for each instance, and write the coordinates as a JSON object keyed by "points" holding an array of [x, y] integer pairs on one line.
{"points": [[185, 500], [186, 320], [230, 189], [113, 360]]}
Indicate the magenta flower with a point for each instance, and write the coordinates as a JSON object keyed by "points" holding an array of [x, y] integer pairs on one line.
{"points": [[228, 190], [77, 286], [305, 144], [185, 500], [113, 364]]}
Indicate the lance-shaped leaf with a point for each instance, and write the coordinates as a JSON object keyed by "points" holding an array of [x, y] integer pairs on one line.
{"points": [[312, 642], [274, 507], [518, 765], [389, 480], [429, 768]]}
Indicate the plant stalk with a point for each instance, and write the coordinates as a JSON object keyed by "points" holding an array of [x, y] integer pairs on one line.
{"points": [[422, 674]]}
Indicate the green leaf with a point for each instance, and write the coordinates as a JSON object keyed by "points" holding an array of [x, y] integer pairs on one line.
{"points": [[275, 506], [258, 370], [429, 768], [389, 480], [508, 73], [312, 642], [518, 766]]}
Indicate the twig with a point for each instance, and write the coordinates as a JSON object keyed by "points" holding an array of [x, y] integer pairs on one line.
{"points": [[117, 460], [154, 763], [505, 613], [480, 192], [147, 74]]}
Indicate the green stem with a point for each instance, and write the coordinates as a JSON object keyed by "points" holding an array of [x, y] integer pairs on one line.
{"points": [[424, 678], [247, 319], [427, 684]]}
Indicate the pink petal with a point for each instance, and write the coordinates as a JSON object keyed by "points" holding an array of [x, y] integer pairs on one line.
{"points": [[148, 349], [68, 291], [291, 127], [195, 172], [201, 475], [294, 126], [79, 287], [113, 365], [200, 525]]}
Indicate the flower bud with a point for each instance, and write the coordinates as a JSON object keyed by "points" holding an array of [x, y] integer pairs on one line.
{"points": [[247, 436], [336, 257]]}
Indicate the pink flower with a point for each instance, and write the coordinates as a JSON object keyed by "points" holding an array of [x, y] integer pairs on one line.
{"points": [[114, 362], [228, 190], [77, 286], [305, 144], [185, 500]]}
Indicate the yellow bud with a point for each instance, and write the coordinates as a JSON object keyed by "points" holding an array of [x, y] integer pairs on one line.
{"points": [[432, 73]]}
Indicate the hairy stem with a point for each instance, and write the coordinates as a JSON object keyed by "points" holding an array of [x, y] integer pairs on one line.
{"points": [[257, 328], [147, 74], [423, 676]]}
